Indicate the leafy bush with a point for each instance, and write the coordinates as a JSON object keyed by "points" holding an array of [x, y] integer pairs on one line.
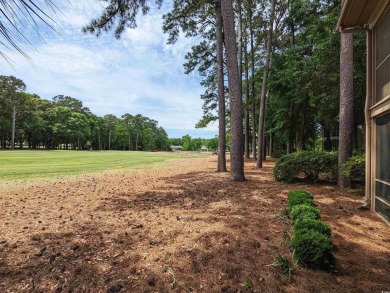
{"points": [[355, 168], [298, 197], [307, 225], [313, 249], [302, 212], [306, 165]]}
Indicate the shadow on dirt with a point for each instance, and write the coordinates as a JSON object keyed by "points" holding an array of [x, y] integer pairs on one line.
{"points": [[197, 232]]}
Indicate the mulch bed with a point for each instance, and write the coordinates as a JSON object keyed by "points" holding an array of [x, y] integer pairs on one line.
{"points": [[181, 228]]}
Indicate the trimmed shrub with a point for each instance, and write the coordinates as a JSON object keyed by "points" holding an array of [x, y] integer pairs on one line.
{"points": [[302, 212], [307, 165], [307, 225], [313, 250], [298, 197], [355, 168]]}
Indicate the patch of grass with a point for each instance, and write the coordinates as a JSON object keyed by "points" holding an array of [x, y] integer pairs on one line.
{"points": [[286, 240], [285, 266], [248, 285], [284, 212], [26, 164], [174, 279]]}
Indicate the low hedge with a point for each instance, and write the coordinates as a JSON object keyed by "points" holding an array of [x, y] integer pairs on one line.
{"points": [[307, 166], [355, 168], [313, 250], [312, 225], [298, 197], [303, 212], [311, 244]]}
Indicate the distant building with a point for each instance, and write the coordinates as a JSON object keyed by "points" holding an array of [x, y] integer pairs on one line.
{"points": [[176, 148], [204, 149]]}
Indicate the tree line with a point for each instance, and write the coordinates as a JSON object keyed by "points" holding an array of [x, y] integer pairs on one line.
{"points": [[281, 61], [195, 144], [271, 70], [27, 120]]}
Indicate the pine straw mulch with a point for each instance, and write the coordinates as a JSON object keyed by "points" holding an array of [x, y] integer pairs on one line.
{"points": [[182, 228]]}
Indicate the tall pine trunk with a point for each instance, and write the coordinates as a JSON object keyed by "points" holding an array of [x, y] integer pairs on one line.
{"points": [[346, 105], [246, 99], [239, 43], [13, 127], [261, 142], [236, 127], [221, 92], [109, 140], [253, 104]]}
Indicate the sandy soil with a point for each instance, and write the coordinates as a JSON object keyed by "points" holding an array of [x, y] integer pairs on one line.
{"points": [[182, 228]]}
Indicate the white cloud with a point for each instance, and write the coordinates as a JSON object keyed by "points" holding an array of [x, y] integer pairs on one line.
{"points": [[137, 74]]}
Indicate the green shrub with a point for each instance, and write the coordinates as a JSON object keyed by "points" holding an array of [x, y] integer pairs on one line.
{"points": [[307, 165], [298, 197], [302, 212], [313, 250], [355, 168], [307, 225]]}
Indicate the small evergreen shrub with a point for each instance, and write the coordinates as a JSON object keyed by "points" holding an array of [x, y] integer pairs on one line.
{"points": [[313, 250], [303, 212], [298, 197], [355, 168], [311, 244], [307, 225], [307, 165]]}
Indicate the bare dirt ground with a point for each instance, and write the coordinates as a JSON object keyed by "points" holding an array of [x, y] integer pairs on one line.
{"points": [[182, 228]]}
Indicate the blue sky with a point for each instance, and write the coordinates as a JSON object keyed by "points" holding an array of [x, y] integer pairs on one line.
{"points": [[138, 74]]}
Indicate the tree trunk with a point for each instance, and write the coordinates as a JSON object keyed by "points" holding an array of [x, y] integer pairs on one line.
{"points": [[236, 131], [253, 86], [264, 139], [239, 44], [3, 140], [13, 127], [261, 142], [100, 145], [221, 92], [346, 105], [109, 140], [247, 99], [328, 141], [270, 144], [136, 143]]}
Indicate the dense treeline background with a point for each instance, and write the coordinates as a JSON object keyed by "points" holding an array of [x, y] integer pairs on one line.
{"points": [[195, 144], [302, 88], [65, 123], [281, 61]]}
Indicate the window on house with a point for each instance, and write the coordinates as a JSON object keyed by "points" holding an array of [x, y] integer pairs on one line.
{"points": [[383, 58], [382, 177]]}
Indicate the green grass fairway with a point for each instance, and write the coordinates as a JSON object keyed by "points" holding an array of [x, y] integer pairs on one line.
{"points": [[43, 164]]}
